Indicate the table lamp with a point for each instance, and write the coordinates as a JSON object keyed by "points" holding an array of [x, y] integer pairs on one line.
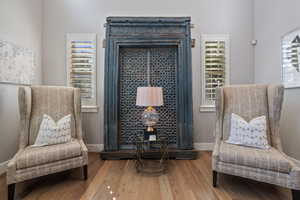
{"points": [[149, 97]]}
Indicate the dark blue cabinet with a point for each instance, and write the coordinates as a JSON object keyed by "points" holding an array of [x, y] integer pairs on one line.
{"points": [[148, 32]]}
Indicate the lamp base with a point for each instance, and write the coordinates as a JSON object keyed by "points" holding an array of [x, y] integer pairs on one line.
{"points": [[150, 134], [150, 117]]}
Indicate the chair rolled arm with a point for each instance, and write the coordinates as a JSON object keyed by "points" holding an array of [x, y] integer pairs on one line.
{"points": [[217, 144], [219, 119], [84, 151], [12, 167], [295, 171], [294, 163]]}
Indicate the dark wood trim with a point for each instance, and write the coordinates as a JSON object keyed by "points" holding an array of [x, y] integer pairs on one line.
{"points": [[154, 20], [85, 172], [215, 178], [296, 194], [11, 191], [131, 154]]}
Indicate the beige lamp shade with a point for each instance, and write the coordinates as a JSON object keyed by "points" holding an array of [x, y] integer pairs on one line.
{"points": [[149, 96]]}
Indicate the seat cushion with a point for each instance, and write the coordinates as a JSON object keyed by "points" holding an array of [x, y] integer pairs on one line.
{"points": [[269, 159], [33, 156]]}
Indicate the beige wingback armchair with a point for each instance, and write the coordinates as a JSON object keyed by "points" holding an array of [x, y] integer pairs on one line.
{"points": [[269, 166], [31, 162]]}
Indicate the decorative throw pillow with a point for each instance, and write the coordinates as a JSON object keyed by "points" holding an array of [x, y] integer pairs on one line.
{"points": [[52, 132], [252, 134]]}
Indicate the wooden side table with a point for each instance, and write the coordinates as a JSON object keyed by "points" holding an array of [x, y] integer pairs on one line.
{"points": [[147, 150]]}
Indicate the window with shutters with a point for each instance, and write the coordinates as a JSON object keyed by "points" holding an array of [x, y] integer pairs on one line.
{"points": [[81, 67], [215, 68]]}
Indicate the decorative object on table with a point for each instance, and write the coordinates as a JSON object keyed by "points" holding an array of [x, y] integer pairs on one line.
{"points": [[31, 162], [81, 67], [144, 155], [265, 165], [290, 47], [149, 97], [17, 63]]}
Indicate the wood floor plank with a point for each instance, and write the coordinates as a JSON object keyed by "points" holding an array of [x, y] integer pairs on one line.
{"points": [[197, 183], [98, 182], [128, 182], [138, 186], [185, 179], [166, 191], [202, 167], [177, 180]]}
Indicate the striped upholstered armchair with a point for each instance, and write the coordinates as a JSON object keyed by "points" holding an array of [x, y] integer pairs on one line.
{"points": [[269, 166], [31, 162]]}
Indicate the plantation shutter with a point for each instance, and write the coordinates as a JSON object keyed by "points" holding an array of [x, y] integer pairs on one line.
{"points": [[215, 67], [81, 64]]}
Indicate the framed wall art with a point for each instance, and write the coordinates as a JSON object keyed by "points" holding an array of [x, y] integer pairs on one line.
{"points": [[17, 64], [290, 48]]}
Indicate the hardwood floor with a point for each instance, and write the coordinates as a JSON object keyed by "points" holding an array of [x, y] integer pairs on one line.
{"points": [[185, 179]]}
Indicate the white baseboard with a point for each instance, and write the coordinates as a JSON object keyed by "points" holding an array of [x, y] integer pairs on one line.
{"points": [[95, 147], [204, 146], [3, 167]]}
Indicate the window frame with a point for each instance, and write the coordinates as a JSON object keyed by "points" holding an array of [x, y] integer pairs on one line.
{"points": [[205, 106], [91, 104]]}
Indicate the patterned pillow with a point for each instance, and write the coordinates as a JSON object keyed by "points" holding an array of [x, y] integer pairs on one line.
{"points": [[52, 132], [252, 134]]}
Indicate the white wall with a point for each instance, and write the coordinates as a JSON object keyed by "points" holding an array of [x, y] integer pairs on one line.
{"points": [[234, 17], [20, 23], [273, 19], [23, 22]]}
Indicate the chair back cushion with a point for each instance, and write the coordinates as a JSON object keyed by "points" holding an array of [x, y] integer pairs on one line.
{"points": [[247, 101], [251, 134], [56, 102], [52, 132]]}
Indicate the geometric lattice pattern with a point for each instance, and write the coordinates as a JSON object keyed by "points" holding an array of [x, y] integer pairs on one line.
{"points": [[133, 74]]}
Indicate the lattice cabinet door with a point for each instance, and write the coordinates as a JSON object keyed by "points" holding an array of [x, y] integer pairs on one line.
{"points": [[133, 74]]}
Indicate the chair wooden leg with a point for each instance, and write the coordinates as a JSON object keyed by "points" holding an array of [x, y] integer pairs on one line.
{"points": [[11, 191], [85, 172], [296, 194], [215, 178]]}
